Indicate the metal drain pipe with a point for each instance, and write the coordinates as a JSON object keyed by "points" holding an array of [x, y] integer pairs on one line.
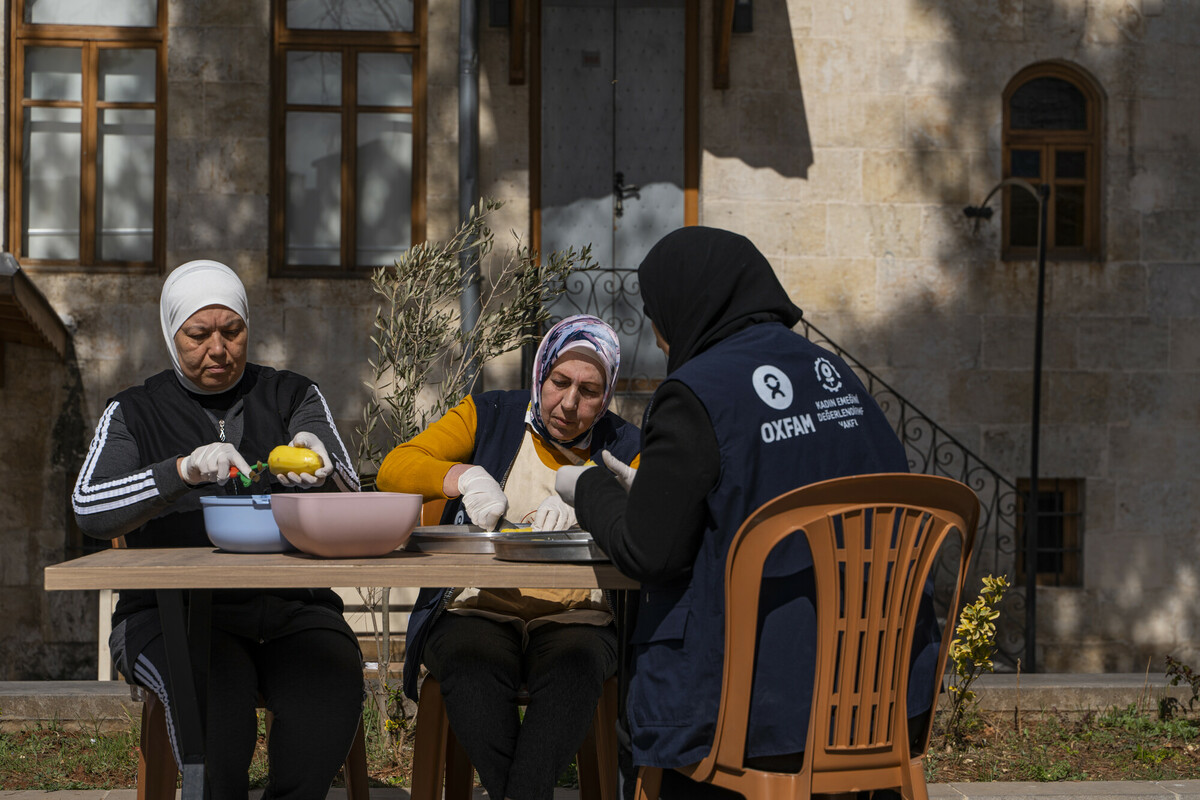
{"points": [[468, 166]]}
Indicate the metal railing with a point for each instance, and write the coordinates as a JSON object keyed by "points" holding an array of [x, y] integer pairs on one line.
{"points": [[934, 451], [614, 295]]}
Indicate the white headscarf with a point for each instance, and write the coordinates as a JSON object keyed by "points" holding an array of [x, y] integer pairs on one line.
{"points": [[189, 288]]}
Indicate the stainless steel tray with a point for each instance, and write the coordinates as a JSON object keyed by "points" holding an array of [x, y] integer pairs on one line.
{"points": [[548, 546], [451, 539]]}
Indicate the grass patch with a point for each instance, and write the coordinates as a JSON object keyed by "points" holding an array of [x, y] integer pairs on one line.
{"points": [[1120, 744], [49, 757]]}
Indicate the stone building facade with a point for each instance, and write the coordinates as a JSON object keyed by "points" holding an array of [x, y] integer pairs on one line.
{"points": [[850, 138]]}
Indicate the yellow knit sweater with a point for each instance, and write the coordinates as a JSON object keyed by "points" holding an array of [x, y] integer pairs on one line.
{"points": [[420, 465]]}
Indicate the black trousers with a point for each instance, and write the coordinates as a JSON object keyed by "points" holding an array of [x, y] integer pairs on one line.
{"points": [[310, 680], [481, 664]]}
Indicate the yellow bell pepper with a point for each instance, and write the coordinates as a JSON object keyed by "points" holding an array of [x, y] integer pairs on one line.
{"points": [[285, 458]]}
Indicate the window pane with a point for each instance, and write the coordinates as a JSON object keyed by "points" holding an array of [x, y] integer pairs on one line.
{"points": [[384, 79], [1048, 104], [1070, 164], [1027, 164], [384, 198], [127, 76], [314, 78], [53, 73], [1068, 216], [1023, 218], [350, 15], [120, 13], [125, 185], [50, 170], [314, 189], [1059, 518], [1049, 531]]}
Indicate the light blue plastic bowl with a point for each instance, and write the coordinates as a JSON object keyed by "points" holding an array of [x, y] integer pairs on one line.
{"points": [[243, 524]]}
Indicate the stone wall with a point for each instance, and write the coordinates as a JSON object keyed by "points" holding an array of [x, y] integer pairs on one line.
{"points": [[851, 138], [217, 206], [899, 105]]}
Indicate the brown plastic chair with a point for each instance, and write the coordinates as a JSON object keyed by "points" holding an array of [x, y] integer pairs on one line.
{"points": [[439, 760], [157, 772], [861, 530], [431, 511]]}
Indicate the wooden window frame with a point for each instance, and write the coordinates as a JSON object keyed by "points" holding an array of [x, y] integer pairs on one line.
{"points": [[1070, 573], [90, 39], [1049, 143], [349, 44]]}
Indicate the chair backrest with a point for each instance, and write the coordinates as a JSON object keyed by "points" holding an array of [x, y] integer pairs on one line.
{"points": [[873, 540], [431, 511]]}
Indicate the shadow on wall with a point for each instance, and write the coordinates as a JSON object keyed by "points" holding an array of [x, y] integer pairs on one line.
{"points": [[43, 635], [962, 55], [956, 60], [761, 120], [69, 440]]}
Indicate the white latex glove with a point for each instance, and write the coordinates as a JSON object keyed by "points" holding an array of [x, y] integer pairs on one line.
{"points": [[553, 515], [482, 497], [303, 479], [564, 482], [210, 463], [625, 473]]}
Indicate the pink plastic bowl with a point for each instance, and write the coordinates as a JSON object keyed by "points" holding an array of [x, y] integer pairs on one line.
{"points": [[346, 524]]}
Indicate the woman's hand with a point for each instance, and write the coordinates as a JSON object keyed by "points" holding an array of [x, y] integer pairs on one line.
{"points": [[553, 515], [565, 479], [306, 480], [482, 497], [210, 463], [623, 472]]}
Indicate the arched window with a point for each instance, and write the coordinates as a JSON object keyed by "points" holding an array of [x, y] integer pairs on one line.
{"points": [[1053, 126]]}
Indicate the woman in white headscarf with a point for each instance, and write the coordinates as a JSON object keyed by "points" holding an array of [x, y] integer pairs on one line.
{"points": [[158, 448]]}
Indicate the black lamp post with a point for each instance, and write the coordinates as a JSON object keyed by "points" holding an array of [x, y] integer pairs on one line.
{"points": [[1041, 194]]}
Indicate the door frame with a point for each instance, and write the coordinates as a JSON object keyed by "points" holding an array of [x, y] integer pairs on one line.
{"points": [[691, 118]]}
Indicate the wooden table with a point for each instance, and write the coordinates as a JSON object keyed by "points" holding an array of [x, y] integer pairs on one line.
{"points": [[205, 568], [196, 571]]}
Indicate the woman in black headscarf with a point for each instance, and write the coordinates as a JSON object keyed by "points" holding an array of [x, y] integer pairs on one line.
{"points": [[735, 423]]}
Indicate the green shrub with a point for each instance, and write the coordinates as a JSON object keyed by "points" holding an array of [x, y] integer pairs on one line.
{"points": [[971, 651]]}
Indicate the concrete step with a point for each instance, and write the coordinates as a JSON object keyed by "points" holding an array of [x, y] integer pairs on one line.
{"points": [[1074, 692], [106, 705], [87, 705]]}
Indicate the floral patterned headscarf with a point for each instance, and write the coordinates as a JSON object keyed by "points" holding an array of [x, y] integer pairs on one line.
{"points": [[580, 332]]}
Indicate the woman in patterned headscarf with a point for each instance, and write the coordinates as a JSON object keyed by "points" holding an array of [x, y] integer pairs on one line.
{"points": [[494, 458]]}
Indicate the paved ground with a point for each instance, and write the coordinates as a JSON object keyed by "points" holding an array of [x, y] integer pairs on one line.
{"points": [[1082, 790]]}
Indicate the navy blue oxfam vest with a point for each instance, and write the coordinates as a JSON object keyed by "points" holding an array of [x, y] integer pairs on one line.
{"points": [[786, 413], [499, 431]]}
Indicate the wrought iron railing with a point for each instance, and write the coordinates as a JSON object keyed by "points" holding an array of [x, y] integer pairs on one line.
{"points": [[613, 295], [934, 451]]}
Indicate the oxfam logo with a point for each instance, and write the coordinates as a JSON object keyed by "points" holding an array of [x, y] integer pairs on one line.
{"points": [[772, 386]]}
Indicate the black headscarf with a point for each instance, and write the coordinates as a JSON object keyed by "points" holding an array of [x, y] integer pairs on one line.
{"points": [[701, 285]]}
